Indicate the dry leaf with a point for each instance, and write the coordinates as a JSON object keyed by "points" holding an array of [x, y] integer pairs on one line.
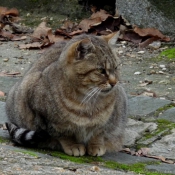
{"points": [[8, 16], [9, 74], [147, 42], [127, 150], [76, 32], [61, 32], [5, 35], [86, 24], [152, 32], [31, 45], [130, 35], [19, 38], [102, 14], [43, 34], [69, 26]]}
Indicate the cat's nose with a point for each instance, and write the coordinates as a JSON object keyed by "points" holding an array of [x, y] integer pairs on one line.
{"points": [[112, 84], [112, 80]]}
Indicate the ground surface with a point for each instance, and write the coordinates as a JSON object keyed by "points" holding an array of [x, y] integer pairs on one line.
{"points": [[151, 122], [148, 124]]}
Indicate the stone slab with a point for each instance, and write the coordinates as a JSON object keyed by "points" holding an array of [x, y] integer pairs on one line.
{"points": [[3, 116], [124, 158], [149, 13], [162, 168], [15, 161], [168, 115], [164, 147], [7, 82], [3, 119], [141, 106]]}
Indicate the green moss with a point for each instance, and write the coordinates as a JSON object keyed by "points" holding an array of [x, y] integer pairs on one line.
{"points": [[84, 159], [3, 140], [31, 153], [3, 98], [164, 128], [162, 109], [169, 53], [138, 168], [165, 123]]}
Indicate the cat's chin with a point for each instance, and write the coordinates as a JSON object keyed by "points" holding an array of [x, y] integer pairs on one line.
{"points": [[105, 91]]}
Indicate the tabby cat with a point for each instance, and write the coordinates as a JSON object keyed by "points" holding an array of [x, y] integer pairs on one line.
{"points": [[70, 99]]}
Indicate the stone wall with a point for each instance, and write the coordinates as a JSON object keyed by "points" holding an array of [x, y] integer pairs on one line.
{"points": [[149, 13]]}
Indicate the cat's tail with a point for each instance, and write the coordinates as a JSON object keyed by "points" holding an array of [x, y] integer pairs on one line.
{"points": [[24, 136]]}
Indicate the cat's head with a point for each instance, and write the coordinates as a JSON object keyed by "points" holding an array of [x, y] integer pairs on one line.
{"points": [[90, 65]]}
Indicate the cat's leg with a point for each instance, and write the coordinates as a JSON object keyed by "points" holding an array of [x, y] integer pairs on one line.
{"points": [[96, 146], [71, 147]]}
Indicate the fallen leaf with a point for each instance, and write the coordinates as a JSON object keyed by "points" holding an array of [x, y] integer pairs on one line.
{"points": [[43, 34], [8, 16], [19, 38], [9, 74], [102, 14], [86, 24], [31, 45], [69, 26], [76, 32], [127, 150], [59, 38], [163, 159], [147, 42], [5, 35], [130, 35], [145, 83], [152, 32], [61, 32]]}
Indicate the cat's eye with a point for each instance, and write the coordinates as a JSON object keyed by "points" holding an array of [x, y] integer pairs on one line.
{"points": [[102, 70]]}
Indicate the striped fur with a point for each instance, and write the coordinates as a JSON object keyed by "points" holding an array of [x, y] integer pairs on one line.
{"points": [[24, 136], [71, 99]]}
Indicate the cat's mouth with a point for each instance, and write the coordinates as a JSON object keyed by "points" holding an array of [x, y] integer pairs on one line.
{"points": [[106, 90]]}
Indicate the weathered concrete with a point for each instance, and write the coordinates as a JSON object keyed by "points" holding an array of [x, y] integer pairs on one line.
{"points": [[3, 116], [127, 159], [164, 147], [168, 115], [149, 13], [135, 130], [143, 106], [163, 168]]}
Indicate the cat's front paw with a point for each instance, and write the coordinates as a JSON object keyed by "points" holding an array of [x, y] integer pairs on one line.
{"points": [[75, 150], [96, 150]]}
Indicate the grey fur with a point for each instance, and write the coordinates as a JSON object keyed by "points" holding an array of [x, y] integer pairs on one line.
{"points": [[50, 96]]}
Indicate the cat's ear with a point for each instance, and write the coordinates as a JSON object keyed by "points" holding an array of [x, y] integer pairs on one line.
{"points": [[80, 49], [112, 38], [84, 47]]}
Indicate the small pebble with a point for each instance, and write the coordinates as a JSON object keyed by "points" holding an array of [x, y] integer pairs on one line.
{"points": [[141, 52], [95, 169], [162, 66], [123, 42], [155, 45], [120, 51], [6, 59], [137, 73]]}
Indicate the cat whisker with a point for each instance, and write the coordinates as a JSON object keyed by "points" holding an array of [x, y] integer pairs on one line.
{"points": [[88, 95], [97, 95], [93, 94]]}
